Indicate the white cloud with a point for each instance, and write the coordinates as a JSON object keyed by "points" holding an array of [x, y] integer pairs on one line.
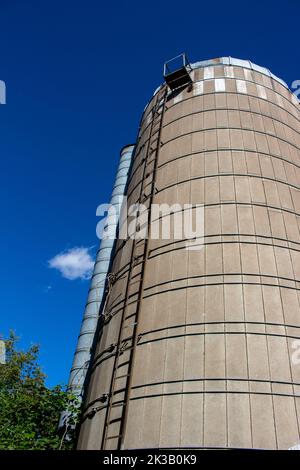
{"points": [[75, 263]]}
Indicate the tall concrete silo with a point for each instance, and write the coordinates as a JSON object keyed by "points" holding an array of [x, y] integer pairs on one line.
{"points": [[197, 348]]}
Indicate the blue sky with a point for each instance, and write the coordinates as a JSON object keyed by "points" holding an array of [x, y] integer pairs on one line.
{"points": [[78, 75]]}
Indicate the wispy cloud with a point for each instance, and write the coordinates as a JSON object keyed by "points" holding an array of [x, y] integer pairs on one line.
{"points": [[47, 289], [75, 263]]}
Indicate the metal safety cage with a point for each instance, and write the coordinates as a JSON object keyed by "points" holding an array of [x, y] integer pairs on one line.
{"points": [[177, 72]]}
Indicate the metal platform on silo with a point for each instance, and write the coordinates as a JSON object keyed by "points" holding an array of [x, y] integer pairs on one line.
{"points": [[177, 72]]}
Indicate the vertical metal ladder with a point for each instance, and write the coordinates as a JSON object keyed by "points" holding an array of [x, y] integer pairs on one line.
{"points": [[119, 396]]}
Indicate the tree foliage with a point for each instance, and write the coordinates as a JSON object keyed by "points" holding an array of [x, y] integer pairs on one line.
{"points": [[29, 411]]}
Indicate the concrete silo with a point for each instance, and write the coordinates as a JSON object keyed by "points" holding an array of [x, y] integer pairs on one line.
{"points": [[197, 348]]}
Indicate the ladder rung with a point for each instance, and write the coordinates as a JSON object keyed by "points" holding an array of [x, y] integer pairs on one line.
{"points": [[121, 390], [115, 420], [127, 349], [123, 364], [136, 274], [118, 403], [146, 185], [113, 437], [138, 261], [129, 316], [127, 338], [131, 302], [135, 282], [122, 376]]}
